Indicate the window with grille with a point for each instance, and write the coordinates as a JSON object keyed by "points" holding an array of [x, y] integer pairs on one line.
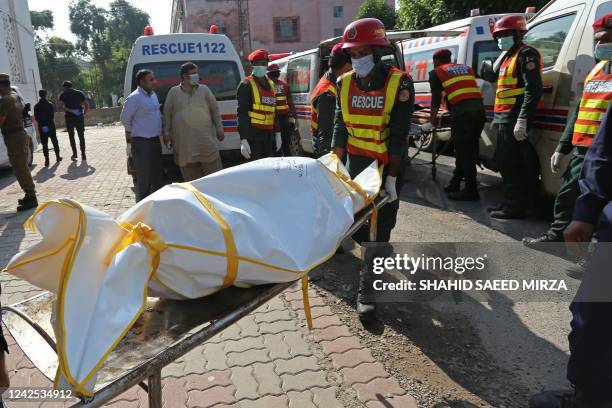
{"points": [[287, 29], [338, 11]]}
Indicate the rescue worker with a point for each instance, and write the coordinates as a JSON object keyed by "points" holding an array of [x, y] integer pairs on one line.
{"points": [[373, 113], [590, 340], [519, 89], [285, 110], [578, 136], [16, 141], [323, 101], [456, 83], [44, 113], [257, 110]]}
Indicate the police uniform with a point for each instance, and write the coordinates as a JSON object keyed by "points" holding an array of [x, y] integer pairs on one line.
{"points": [[457, 84], [257, 112], [17, 144], [519, 89], [372, 124], [322, 112], [284, 110]]}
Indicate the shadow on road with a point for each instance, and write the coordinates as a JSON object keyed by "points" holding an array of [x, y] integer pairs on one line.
{"points": [[45, 173], [76, 171]]}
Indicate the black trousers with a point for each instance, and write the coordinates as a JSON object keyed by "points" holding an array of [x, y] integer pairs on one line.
{"points": [[78, 123], [44, 138], [286, 130], [519, 167], [465, 133], [262, 146], [147, 156]]}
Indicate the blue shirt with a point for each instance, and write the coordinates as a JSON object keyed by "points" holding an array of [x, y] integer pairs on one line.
{"points": [[596, 179], [141, 115]]}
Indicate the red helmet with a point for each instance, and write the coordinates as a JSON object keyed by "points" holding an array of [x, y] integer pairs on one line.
{"points": [[604, 23], [510, 23], [336, 49], [367, 31], [273, 68]]}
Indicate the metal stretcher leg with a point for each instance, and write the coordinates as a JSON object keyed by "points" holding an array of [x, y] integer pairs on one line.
{"points": [[155, 390]]}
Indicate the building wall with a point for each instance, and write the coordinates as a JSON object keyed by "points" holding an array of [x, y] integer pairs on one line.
{"points": [[316, 20], [17, 52]]}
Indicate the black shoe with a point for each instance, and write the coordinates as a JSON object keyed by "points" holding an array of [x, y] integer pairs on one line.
{"points": [[577, 270], [498, 207], [464, 195], [539, 242], [58, 158], [73, 157], [27, 203], [47, 161], [453, 186], [83, 157], [564, 399], [505, 214]]}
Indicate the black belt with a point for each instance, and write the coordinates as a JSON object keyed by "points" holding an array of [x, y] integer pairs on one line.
{"points": [[155, 138]]}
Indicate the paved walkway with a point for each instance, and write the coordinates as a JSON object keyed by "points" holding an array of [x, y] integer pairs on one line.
{"points": [[269, 359]]}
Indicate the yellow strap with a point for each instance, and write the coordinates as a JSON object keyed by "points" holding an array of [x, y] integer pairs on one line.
{"points": [[462, 91], [586, 129], [507, 81], [507, 93], [373, 220], [143, 234], [306, 301], [230, 244], [505, 101], [595, 103], [267, 108], [596, 116], [371, 146], [281, 98], [456, 79]]}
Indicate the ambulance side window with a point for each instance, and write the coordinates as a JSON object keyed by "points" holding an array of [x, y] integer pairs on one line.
{"points": [[484, 50], [418, 64], [549, 36], [298, 74]]}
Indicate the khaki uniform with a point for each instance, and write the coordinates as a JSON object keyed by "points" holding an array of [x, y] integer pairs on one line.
{"points": [[16, 141]]}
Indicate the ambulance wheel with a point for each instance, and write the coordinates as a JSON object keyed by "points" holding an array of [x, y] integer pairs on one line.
{"points": [[295, 145], [30, 153], [425, 142]]}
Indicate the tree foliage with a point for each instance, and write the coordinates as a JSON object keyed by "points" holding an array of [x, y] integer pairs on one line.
{"points": [[380, 10], [41, 20], [419, 14]]}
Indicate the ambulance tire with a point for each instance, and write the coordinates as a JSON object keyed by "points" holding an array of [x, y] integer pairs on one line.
{"points": [[295, 144], [426, 143]]}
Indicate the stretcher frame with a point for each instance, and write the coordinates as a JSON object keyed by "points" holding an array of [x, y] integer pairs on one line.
{"points": [[166, 331]]}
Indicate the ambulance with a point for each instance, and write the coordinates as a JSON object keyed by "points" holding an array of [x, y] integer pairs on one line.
{"points": [[219, 66], [303, 70], [474, 45], [563, 33]]}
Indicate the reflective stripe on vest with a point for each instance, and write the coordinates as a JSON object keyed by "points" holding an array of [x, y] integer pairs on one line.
{"points": [[507, 83], [459, 82], [264, 105], [367, 114], [596, 98], [324, 85], [281, 88]]}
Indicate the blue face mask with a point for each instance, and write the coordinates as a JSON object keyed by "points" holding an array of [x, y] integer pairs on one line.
{"points": [[603, 52], [259, 71], [505, 43]]}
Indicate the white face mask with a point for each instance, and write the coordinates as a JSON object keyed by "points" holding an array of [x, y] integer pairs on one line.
{"points": [[194, 79], [364, 65]]}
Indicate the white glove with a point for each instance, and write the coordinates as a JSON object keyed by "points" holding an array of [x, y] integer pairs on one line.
{"points": [[390, 188], [279, 141], [555, 161], [427, 127], [245, 149], [292, 120], [520, 130]]}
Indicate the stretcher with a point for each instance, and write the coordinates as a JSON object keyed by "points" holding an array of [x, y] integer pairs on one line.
{"points": [[164, 332]]}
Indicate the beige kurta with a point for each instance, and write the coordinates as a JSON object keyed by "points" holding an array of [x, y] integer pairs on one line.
{"points": [[192, 119]]}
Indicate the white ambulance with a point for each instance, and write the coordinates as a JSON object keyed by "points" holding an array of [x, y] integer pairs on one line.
{"points": [[219, 66], [563, 33], [303, 70], [474, 45]]}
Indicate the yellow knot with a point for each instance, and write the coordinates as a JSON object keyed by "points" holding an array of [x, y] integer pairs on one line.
{"points": [[139, 233]]}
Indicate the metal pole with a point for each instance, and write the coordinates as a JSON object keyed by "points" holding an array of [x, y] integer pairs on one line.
{"points": [[155, 390]]}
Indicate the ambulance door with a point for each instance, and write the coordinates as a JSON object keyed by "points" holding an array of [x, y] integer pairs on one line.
{"points": [[557, 36], [302, 71]]}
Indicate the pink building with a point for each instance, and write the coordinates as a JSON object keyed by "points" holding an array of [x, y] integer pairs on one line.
{"points": [[277, 25]]}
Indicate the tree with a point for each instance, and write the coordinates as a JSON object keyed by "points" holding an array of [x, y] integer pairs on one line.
{"points": [[419, 14], [380, 10], [41, 20]]}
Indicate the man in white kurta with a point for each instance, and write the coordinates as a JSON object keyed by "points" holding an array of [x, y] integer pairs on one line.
{"points": [[192, 123]]}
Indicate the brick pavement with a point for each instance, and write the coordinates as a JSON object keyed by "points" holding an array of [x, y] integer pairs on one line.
{"points": [[268, 359]]}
